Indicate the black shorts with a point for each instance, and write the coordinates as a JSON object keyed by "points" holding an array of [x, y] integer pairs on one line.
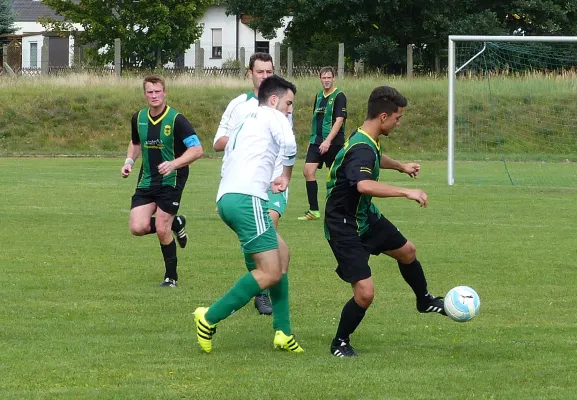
{"points": [[352, 254], [167, 198], [314, 155]]}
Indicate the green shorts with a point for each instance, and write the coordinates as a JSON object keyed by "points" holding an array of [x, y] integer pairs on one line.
{"points": [[277, 201], [248, 217]]}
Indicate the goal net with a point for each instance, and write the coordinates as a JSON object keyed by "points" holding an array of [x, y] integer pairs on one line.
{"points": [[513, 111]]}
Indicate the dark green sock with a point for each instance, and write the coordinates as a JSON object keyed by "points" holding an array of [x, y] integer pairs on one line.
{"points": [[239, 294], [251, 265], [279, 297]]}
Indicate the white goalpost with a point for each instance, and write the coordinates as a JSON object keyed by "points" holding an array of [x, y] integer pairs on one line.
{"points": [[527, 66]]}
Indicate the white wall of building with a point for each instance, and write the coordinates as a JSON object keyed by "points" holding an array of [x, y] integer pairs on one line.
{"points": [[216, 18], [28, 44]]}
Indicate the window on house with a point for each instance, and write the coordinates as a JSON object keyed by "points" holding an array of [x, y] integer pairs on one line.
{"points": [[262, 47], [33, 55], [217, 43]]}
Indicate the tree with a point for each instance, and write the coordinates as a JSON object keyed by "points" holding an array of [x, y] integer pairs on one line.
{"points": [[152, 32], [378, 31], [6, 17]]}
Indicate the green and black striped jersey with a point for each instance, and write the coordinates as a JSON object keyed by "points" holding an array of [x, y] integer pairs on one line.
{"points": [[348, 212], [162, 138], [326, 110]]}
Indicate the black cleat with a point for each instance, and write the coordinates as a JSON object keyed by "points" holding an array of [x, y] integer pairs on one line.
{"points": [[342, 348], [180, 232], [262, 304], [168, 283], [431, 304]]}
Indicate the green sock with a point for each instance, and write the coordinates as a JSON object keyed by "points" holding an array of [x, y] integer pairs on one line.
{"points": [[239, 294], [251, 265], [279, 296]]}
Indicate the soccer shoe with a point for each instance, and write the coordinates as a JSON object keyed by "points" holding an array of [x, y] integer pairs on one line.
{"points": [[204, 331], [431, 304], [310, 216], [262, 304], [342, 348], [288, 343], [168, 283], [181, 235]]}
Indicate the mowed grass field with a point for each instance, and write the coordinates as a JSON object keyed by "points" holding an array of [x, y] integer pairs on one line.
{"points": [[82, 316]]}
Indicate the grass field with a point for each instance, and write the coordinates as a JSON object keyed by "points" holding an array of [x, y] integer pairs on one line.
{"points": [[82, 315]]}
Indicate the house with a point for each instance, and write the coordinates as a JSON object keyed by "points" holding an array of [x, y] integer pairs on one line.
{"points": [[31, 36], [222, 38]]}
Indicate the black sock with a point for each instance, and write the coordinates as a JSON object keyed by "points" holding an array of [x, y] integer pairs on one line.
{"points": [[176, 225], [415, 277], [170, 260], [152, 225], [312, 194], [351, 317]]}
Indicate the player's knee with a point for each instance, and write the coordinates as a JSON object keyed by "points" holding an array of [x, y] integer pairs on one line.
{"points": [[364, 297], [139, 229], [409, 253]]}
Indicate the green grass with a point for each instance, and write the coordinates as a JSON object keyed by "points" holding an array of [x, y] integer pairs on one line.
{"points": [[82, 316]]}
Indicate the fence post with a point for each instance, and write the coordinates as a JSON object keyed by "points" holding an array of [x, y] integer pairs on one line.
{"points": [[341, 62], [117, 58], [242, 61], [45, 55], [197, 58], [289, 62], [277, 56], [409, 61]]}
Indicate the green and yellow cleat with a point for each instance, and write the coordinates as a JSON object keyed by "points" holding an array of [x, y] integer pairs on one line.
{"points": [[204, 331], [310, 216], [288, 343]]}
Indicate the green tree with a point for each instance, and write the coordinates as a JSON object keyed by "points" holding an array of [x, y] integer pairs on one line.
{"points": [[6, 17], [378, 31], [152, 32]]}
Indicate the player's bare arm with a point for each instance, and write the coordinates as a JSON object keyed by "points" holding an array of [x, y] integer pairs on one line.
{"points": [[412, 169], [280, 184], [220, 143], [382, 190], [324, 146], [188, 157], [131, 155]]}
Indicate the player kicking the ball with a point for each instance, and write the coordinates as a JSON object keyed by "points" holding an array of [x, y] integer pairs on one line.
{"points": [[355, 228]]}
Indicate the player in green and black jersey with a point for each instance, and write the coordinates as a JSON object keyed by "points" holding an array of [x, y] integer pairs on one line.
{"points": [[168, 144], [355, 228], [327, 136]]}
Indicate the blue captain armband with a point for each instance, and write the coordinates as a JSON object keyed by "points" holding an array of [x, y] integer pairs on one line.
{"points": [[191, 141]]}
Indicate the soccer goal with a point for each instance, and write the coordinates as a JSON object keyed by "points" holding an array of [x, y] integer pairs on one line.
{"points": [[512, 112]]}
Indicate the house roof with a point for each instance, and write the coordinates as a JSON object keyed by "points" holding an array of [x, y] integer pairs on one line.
{"points": [[31, 10]]}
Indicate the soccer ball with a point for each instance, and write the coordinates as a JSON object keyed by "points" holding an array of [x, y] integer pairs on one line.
{"points": [[462, 303]]}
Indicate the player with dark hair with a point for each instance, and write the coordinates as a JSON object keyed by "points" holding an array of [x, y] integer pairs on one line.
{"points": [[327, 136], [168, 144], [260, 67], [355, 228], [242, 200]]}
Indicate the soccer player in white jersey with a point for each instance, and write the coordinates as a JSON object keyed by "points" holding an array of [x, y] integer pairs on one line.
{"points": [[260, 67], [242, 200]]}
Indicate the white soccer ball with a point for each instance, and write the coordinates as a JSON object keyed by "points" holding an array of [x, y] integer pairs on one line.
{"points": [[462, 303]]}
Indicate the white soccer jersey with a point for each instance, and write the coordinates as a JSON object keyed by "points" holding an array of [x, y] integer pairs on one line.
{"points": [[264, 136], [235, 113]]}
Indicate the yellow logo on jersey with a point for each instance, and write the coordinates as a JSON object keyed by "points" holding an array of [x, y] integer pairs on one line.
{"points": [[167, 130], [367, 170]]}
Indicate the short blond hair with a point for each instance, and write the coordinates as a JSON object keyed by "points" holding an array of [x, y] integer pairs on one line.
{"points": [[324, 70], [154, 79]]}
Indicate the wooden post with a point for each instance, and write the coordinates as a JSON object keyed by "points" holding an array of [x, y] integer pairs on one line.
{"points": [[45, 55], [277, 56], [117, 58], [242, 62], [409, 61], [341, 62], [289, 63], [197, 59]]}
